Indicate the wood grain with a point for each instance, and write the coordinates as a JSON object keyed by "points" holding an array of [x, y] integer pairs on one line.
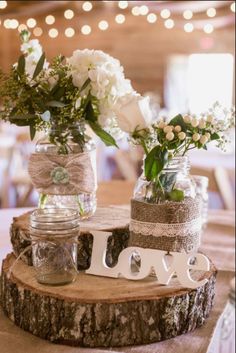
{"points": [[95, 311]]}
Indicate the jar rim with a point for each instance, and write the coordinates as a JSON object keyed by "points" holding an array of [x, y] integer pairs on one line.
{"points": [[54, 218]]}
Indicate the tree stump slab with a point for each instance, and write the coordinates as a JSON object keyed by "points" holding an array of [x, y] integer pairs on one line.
{"points": [[113, 219], [103, 312]]}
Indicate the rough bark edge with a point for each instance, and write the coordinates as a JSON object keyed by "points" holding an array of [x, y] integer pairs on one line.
{"points": [[105, 324]]}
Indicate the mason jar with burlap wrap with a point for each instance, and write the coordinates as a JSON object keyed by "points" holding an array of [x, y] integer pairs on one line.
{"points": [[65, 175], [166, 224]]}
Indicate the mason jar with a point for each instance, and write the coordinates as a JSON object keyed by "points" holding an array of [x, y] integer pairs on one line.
{"points": [[201, 190], [83, 196], [54, 234], [166, 213], [174, 176]]}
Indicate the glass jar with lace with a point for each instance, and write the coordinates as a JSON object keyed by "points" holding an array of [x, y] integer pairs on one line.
{"points": [[63, 170], [165, 212]]}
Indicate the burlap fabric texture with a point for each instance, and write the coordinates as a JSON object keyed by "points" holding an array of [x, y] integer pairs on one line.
{"points": [[55, 174], [171, 226]]}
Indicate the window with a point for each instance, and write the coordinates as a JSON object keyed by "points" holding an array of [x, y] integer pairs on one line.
{"points": [[195, 82]]}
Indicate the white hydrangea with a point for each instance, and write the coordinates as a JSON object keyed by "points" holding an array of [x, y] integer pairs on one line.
{"points": [[108, 82]]}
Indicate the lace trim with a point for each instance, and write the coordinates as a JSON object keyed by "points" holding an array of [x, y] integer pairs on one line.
{"points": [[164, 229]]}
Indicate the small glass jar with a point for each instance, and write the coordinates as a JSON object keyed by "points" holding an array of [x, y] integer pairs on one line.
{"points": [[175, 176], [201, 191], [85, 203], [54, 234]]}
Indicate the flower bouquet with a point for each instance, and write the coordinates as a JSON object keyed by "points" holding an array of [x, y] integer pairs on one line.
{"points": [[62, 99], [165, 210]]}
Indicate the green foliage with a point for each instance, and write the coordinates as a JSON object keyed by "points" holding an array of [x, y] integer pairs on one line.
{"points": [[155, 162], [25, 99]]}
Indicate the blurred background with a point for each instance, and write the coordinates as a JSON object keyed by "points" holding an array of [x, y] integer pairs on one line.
{"points": [[180, 53]]}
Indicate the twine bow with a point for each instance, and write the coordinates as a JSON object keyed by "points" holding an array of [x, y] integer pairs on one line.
{"points": [[55, 174]]}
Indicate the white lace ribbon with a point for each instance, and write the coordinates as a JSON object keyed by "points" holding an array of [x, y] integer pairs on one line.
{"points": [[166, 229]]}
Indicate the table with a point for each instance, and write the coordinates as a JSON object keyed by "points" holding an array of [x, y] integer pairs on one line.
{"points": [[217, 242]]}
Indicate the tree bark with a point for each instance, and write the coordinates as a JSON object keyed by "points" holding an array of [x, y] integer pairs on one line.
{"points": [[97, 311], [111, 219]]}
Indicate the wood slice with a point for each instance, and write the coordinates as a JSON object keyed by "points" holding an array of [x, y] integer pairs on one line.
{"points": [[112, 219], [98, 311]]}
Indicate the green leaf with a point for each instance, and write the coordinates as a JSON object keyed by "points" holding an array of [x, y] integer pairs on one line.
{"points": [[215, 136], [32, 131], [86, 83], [178, 120], [104, 136], [176, 195], [155, 162], [39, 66], [21, 65], [55, 104]]}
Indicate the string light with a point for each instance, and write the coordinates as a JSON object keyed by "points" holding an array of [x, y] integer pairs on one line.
{"points": [[120, 18], [86, 29], [232, 7], [6, 23], [69, 14], [165, 13], [103, 25], [3, 5], [14, 24], [169, 23], [123, 4], [53, 33], [208, 28], [187, 14], [22, 27], [87, 6], [38, 31], [135, 11], [31, 22], [50, 20], [188, 27], [143, 10], [151, 17], [69, 32], [211, 12], [11, 24]]}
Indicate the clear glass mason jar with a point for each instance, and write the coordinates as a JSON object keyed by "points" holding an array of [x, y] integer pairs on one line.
{"points": [[54, 234], [201, 191], [175, 176], [85, 203]]}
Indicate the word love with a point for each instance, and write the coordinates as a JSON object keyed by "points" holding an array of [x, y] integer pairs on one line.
{"points": [[149, 259]]}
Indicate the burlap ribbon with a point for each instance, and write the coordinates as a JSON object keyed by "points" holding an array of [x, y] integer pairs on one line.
{"points": [[171, 226], [55, 174]]}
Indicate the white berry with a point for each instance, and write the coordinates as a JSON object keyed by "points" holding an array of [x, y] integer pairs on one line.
{"points": [[170, 136], [181, 135], [196, 137]]}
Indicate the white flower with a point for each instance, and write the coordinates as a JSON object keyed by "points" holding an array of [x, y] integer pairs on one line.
{"points": [[177, 128], [133, 111], [170, 136], [196, 137], [208, 135], [181, 135], [107, 80], [203, 139], [194, 122]]}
